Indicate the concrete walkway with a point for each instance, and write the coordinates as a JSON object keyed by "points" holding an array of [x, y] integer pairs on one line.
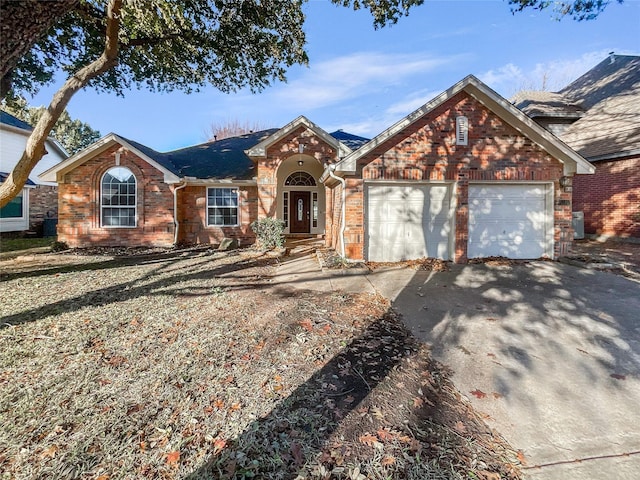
{"points": [[548, 352]]}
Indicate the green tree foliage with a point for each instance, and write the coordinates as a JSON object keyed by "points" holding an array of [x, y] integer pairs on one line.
{"points": [[578, 9], [162, 45], [73, 135]]}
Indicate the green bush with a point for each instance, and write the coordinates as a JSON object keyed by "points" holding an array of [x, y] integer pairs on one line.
{"points": [[270, 232]]}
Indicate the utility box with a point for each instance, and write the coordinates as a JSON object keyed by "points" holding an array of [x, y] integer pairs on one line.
{"points": [[49, 227], [577, 221]]}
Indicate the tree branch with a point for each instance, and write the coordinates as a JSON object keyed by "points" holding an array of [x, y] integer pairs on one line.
{"points": [[35, 147]]}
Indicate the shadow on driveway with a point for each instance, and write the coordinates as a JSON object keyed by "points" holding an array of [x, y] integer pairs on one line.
{"points": [[549, 352]]}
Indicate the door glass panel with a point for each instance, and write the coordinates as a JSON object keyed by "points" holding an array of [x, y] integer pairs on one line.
{"points": [[300, 209]]}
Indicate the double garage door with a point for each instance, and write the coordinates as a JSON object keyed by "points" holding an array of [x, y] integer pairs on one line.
{"points": [[409, 221]]}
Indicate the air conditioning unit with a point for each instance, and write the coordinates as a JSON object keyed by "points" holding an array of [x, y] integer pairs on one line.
{"points": [[577, 221]]}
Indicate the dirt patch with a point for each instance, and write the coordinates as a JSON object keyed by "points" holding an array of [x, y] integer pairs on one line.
{"points": [[428, 264], [187, 365], [623, 256]]}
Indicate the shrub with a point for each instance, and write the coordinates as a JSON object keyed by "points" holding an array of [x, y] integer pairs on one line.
{"points": [[270, 232]]}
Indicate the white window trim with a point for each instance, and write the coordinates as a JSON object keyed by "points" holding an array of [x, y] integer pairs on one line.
{"points": [[135, 206], [16, 224], [238, 209], [462, 130]]}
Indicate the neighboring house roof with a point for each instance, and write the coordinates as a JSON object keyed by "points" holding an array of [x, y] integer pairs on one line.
{"points": [[4, 175], [609, 96], [8, 119], [546, 104], [217, 160], [16, 125], [572, 161]]}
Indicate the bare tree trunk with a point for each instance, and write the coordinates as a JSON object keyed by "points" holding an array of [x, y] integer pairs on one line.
{"points": [[36, 143], [22, 24]]}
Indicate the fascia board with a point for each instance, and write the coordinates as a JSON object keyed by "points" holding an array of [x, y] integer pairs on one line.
{"points": [[260, 150], [348, 164], [98, 147], [572, 161]]}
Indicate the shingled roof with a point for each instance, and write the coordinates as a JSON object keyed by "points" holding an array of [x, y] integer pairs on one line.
{"points": [[609, 97], [224, 158], [8, 119]]}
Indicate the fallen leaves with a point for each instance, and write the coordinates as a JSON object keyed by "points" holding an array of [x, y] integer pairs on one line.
{"points": [[369, 439], [478, 393], [173, 457]]}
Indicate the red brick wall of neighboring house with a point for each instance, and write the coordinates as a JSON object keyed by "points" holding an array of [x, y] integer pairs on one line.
{"points": [[279, 152], [192, 212], [79, 205], [427, 150], [610, 198], [43, 203]]}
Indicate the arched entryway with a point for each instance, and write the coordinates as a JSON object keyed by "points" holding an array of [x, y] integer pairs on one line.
{"points": [[301, 202]]}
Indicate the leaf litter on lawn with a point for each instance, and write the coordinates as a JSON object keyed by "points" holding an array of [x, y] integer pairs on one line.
{"points": [[190, 366]]}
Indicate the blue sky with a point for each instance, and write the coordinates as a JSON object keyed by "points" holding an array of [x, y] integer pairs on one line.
{"points": [[363, 80]]}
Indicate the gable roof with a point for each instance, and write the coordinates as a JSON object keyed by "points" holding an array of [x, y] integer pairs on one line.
{"points": [[607, 99], [103, 144], [221, 159], [573, 162], [260, 150]]}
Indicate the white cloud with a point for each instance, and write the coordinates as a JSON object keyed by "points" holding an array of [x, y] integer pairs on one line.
{"points": [[552, 75], [344, 78]]}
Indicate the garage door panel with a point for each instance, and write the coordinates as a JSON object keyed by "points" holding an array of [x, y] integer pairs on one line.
{"points": [[408, 222], [508, 220]]}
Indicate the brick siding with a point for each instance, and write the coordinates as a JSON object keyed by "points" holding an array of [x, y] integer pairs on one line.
{"points": [[427, 150], [43, 203], [79, 205], [278, 153], [192, 212], [610, 198]]}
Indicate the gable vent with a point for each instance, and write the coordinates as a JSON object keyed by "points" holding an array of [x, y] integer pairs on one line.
{"points": [[462, 130]]}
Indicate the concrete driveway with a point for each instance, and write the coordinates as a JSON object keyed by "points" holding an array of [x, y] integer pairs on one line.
{"points": [[549, 352]]}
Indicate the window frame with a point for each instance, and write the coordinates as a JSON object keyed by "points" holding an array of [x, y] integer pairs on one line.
{"points": [[22, 195], [237, 207], [103, 206]]}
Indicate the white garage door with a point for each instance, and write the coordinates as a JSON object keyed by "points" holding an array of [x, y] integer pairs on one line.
{"points": [[405, 222], [513, 221]]}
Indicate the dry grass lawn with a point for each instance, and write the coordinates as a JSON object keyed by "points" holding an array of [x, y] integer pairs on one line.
{"points": [[189, 364]]}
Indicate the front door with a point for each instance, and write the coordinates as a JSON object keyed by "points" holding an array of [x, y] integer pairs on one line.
{"points": [[300, 212]]}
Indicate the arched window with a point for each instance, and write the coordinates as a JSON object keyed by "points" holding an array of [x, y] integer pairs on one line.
{"points": [[300, 179], [118, 198]]}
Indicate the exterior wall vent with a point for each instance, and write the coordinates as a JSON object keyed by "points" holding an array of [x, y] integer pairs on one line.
{"points": [[462, 130]]}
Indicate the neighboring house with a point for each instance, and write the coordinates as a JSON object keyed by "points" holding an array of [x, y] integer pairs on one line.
{"points": [[466, 175], [598, 115], [39, 199]]}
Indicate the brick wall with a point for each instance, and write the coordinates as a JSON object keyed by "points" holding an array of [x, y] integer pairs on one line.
{"points": [[192, 212], [79, 205], [43, 203], [427, 150], [610, 198], [278, 153]]}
